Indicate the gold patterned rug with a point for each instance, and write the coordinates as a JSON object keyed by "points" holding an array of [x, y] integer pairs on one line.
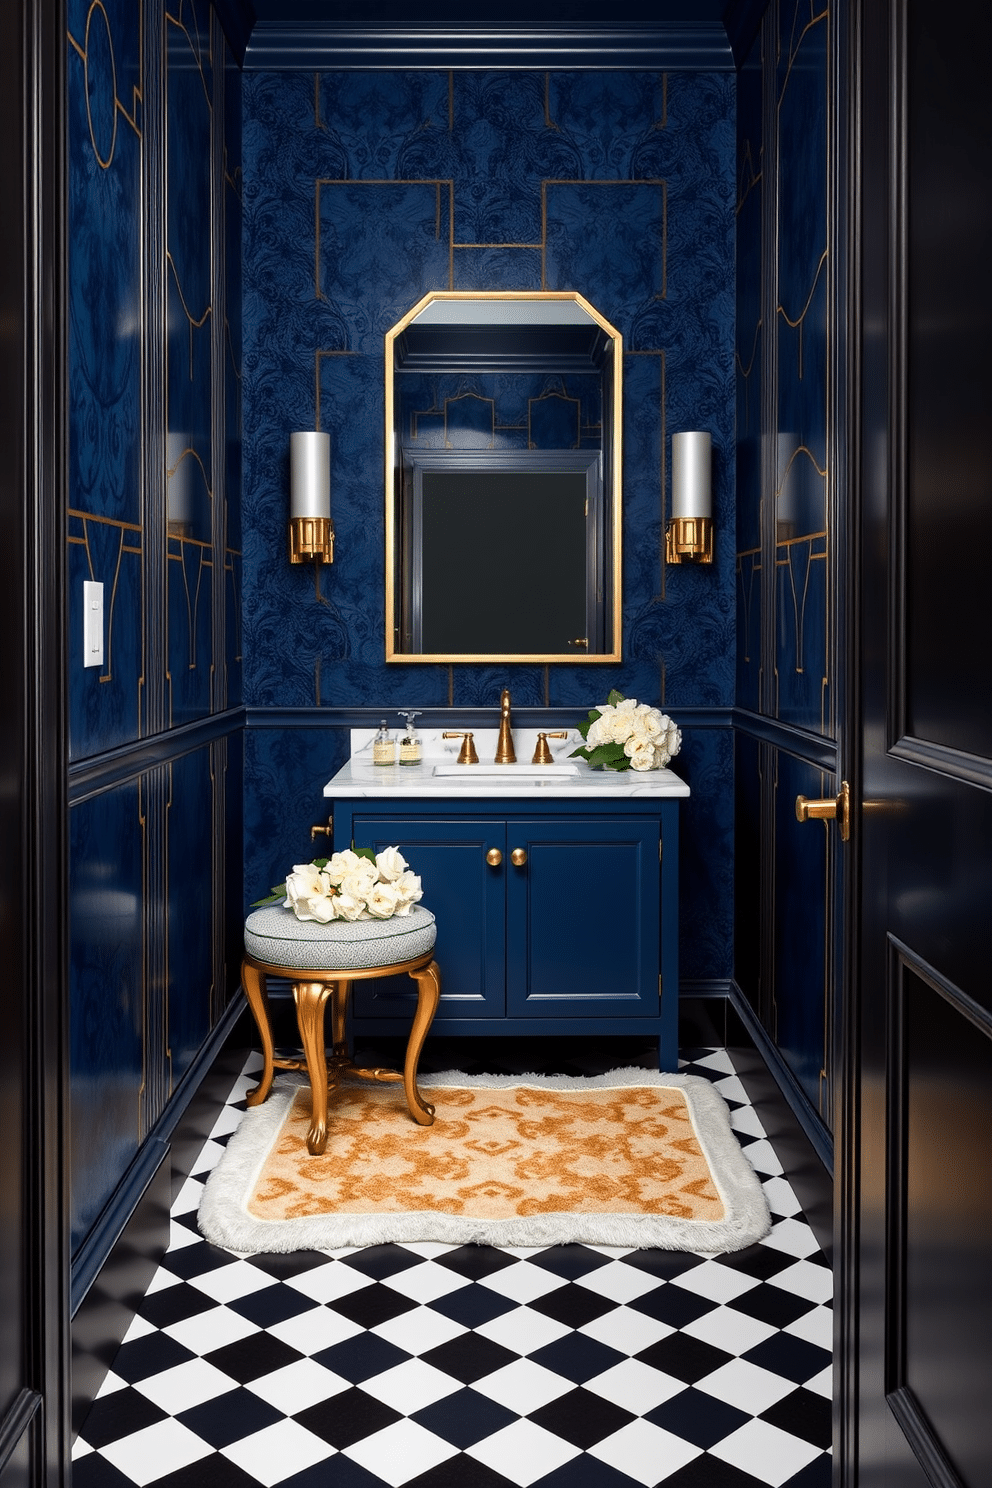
{"points": [[631, 1158]]}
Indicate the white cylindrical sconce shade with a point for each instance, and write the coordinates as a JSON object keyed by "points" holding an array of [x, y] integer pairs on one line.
{"points": [[692, 462], [309, 475]]}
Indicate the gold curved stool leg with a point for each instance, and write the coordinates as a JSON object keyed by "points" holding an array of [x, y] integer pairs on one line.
{"points": [[428, 981], [253, 982], [311, 999]]}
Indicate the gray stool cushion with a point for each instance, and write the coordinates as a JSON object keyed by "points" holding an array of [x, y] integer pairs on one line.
{"points": [[277, 937]]}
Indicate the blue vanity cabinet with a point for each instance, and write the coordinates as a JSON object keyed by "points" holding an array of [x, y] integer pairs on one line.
{"points": [[579, 935], [464, 893]]}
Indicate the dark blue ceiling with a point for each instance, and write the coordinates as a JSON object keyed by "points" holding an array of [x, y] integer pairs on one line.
{"points": [[344, 34]]}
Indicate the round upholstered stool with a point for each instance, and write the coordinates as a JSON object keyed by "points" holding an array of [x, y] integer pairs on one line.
{"points": [[321, 962]]}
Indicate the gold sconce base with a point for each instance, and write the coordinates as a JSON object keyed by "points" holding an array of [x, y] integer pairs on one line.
{"points": [[689, 540], [311, 538]]}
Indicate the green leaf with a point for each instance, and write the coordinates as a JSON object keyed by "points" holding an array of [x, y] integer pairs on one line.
{"points": [[607, 754], [319, 863], [582, 751], [594, 713], [365, 852], [583, 729], [614, 697]]}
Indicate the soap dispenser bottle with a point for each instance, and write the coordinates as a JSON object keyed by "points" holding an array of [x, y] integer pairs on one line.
{"points": [[410, 748], [383, 747]]}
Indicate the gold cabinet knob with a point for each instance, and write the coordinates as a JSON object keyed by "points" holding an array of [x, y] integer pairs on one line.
{"points": [[830, 808], [494, 857], [518, 857]]}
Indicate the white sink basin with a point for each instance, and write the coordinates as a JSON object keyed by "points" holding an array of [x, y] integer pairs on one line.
{"points": [[506, 772]]}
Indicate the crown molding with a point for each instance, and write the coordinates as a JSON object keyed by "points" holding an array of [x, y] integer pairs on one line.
{"points": [[333, 47]]}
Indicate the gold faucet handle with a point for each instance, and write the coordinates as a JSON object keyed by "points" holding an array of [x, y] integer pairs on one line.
{"points": [[542, 754], [467, 755]]}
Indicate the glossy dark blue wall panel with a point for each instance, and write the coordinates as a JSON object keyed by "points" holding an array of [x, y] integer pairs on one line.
{"points": [[104, 124], [189, 385], [749, 359], [232, 195], [706, 855], [802, 664], [748, 854], [799, 1020], [189, 891], [154, 512], [109, 997]]}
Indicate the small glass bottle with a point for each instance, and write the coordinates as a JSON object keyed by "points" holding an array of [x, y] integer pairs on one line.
{"points": [[383, 747], [410, 749]]}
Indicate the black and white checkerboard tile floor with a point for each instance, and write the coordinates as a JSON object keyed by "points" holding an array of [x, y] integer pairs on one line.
{"points": [[436, 1366]]}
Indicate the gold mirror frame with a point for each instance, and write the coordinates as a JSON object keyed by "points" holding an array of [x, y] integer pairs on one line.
{"points": [[614, 494]]}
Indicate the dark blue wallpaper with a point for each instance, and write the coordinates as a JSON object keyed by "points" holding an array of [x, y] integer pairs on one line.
{"points": [[362, 192]]}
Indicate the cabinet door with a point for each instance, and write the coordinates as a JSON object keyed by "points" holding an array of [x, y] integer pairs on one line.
{"points": [[583, 927], [466, 896]]}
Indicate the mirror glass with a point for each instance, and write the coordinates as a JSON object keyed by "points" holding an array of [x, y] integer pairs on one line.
{"points": [[503, 511]]}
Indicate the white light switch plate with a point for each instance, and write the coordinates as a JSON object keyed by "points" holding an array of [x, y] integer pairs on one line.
{"points": [[92, 624]]}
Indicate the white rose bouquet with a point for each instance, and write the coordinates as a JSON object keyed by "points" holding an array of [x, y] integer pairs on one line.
{"points": [[624, 734], [357, 884]]}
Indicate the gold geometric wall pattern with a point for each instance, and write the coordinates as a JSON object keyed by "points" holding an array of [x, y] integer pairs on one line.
{"points": [[442, 184], [100, 82]]}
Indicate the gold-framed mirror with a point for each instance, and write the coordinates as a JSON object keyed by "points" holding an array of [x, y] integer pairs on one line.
{"points": [[503, 480]]}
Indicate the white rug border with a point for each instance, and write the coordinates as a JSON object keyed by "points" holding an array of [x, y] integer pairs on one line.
{"points": [[224, 1220]]}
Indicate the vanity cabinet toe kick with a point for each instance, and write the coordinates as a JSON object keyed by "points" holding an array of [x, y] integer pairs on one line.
{"points": [[551, 919]]}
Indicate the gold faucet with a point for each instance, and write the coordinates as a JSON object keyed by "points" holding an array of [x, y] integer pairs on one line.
{"points": [[505, 753]]}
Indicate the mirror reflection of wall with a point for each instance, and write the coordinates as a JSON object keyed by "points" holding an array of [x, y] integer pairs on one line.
{"points": [[503, 496]]}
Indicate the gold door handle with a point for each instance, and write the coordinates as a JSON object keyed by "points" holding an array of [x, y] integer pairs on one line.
{"points": [[327, 831], [829, 809], [518, 857], [494, 857]]}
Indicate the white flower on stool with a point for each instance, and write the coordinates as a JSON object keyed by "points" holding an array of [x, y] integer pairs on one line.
{"points": [[391, 864], [408, 889], [347, 907], [340, 864], [307, 890], [350, 886], [382, 901]]}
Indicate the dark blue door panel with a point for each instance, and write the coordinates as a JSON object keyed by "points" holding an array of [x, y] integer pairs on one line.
{"points": [[583, 918], [467, 897]]}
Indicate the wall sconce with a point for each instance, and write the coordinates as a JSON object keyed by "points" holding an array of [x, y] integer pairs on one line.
{"points": [[689, 536], [311, 531]]}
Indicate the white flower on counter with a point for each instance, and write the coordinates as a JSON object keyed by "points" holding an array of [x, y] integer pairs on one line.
{"points": [[623, 734], [350, 885]]}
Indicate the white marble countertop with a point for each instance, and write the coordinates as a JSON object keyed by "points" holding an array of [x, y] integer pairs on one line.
{"points": [[361, 779]]}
